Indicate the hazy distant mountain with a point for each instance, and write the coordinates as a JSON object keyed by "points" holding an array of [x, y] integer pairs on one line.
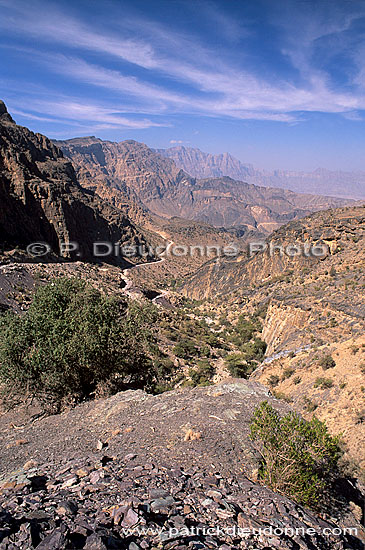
{"points": [[135, 172], [320, 182]]}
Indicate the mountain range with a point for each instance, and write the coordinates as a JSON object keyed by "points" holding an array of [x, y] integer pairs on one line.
{"points": [[290, 328], [131, 171], [319, 182]]}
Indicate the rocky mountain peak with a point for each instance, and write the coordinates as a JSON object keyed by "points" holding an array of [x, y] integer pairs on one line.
{"points": [[4, 115]]}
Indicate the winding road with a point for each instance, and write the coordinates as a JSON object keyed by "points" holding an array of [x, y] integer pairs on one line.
{"points": [[129, 282]]}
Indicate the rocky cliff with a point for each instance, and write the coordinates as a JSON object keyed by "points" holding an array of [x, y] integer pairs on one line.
{"points": [[41, 199]]}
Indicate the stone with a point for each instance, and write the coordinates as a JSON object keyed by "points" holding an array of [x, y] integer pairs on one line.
{"points": [[54, 541], [94, 542], [70, 481], [95, 476], [67, 508], [83, 472], [161, 505], [101, 445], [30, 464], [130, 519], [158, 493], [129, 457]]}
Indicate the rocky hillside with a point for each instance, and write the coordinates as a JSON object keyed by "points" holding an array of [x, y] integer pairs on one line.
{"points": [[205, 165], [131, 171], [314, 311], [339, 233], [139, 471], [41, 199]]}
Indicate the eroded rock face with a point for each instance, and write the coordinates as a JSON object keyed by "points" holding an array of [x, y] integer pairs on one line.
{"points": [[41, 200], [281, 324]]}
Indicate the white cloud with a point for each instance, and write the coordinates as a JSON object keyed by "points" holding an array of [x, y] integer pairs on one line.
{"points": [[76, 112], [213, 86]]}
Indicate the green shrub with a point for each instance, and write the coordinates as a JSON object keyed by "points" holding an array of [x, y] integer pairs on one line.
{"points": [[246, 328], [309, 405], [287, 373], [323, 383], [71, 343], [238, 366], [202, 374], [254, 350], [185, 348], [298, 458], [283, 396], [164, 367], [327, 362]]}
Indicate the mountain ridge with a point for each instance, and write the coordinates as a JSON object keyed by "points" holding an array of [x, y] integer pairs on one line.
{"points": [[135, 172], [203, 165]]}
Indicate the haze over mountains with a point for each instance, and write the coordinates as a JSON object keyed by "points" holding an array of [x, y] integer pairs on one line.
{"points": [[319, 182], [135, 172]]}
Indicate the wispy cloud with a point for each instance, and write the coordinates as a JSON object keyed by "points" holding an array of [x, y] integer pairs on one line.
{"points": [[76, 112], [211, 85]]}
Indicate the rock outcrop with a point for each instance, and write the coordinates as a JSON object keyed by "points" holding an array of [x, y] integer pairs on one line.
{"points": [[42, 201], [138, 471]]}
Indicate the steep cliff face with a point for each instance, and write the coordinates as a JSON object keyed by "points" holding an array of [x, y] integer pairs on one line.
{"points": [[281, 326], [128, 174], [206, 165], [41, 199], [131, 172]]}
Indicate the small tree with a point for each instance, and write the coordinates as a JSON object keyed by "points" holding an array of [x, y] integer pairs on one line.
{"points": [[238, 366], [72, 341], [299, 458]]}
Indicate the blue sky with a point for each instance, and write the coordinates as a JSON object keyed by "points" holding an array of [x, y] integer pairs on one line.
{"points": [[280, 84]]}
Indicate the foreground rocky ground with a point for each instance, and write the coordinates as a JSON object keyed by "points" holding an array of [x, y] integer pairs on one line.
{"points": [[137, 471], [127, 503]]}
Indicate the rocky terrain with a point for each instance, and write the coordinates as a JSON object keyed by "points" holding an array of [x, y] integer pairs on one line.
{"points": [[205, 165], [315, 308], [132, 171], [160, 471], [41, 199], [180, 458]]}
